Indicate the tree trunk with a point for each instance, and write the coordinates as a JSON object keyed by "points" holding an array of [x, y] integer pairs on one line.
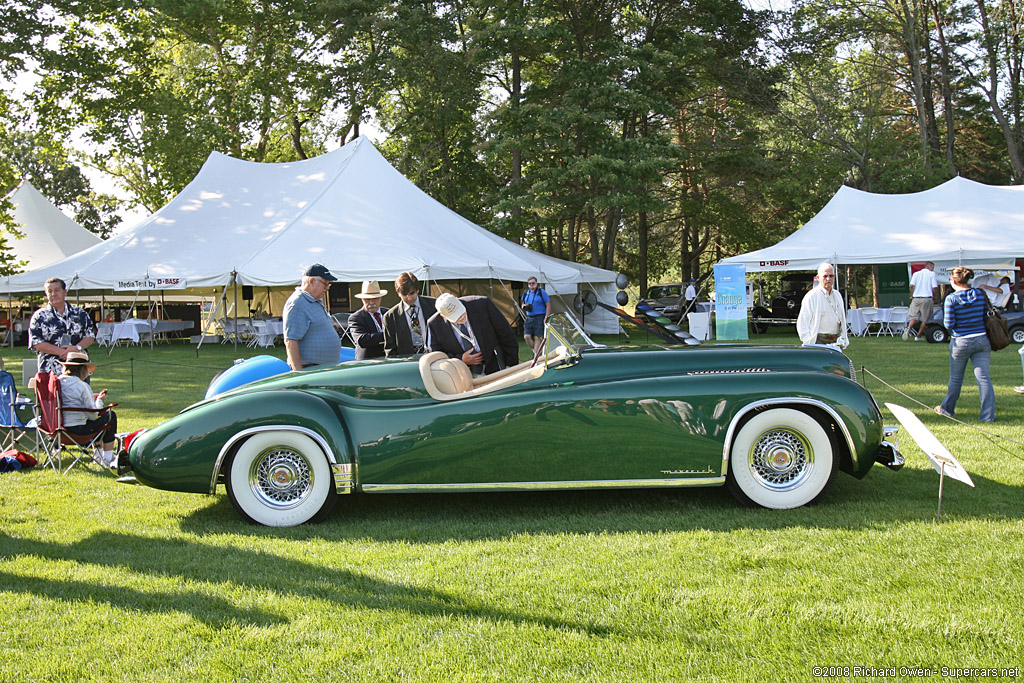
{"points": [[913, 50], [992, 91], [947, 94], [642, 229]]}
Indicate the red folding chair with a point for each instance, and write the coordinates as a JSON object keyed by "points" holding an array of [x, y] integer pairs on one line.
{"points": [[54, 438]]}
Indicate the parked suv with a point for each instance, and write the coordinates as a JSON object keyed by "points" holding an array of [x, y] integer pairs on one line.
{"points": [[667, 299]]}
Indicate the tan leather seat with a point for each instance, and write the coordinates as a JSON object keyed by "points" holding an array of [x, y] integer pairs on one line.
{"points": [[451, 376]]}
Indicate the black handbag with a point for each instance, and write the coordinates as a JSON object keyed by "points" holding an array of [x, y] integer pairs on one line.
{"points": [[996, 326]]}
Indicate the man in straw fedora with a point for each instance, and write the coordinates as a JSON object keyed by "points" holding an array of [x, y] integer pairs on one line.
{"points": [[367, 324]]}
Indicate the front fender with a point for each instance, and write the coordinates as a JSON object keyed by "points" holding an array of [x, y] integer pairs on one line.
{"points": [[186, 452], [840, 401]]}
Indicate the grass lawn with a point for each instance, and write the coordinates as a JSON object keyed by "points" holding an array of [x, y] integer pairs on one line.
{"points": [[107, 582]]}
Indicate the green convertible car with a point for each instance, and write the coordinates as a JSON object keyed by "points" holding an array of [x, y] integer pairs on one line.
{"points": [[774, 424]]}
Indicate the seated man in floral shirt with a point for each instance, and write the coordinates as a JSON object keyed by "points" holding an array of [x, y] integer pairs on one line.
{"points": [[58, 328]]}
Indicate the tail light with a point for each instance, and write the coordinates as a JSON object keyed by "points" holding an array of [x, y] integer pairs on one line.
{"points": [[131, 437]]}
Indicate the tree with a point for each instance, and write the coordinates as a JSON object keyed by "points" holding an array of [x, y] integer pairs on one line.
{"points": [[46, 164], [158, 85]]}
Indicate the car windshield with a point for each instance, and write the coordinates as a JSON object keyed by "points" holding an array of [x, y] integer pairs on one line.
{"points": [[663, 291], [564, 330]]}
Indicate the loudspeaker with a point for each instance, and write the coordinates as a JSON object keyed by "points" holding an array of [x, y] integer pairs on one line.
{"points": [[247, 292]]}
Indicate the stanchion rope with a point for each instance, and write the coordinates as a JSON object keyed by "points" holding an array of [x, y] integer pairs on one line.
{"points": [[930, 409]]}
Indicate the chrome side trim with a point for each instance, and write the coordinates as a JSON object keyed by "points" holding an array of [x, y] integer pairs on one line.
{"points": [[543, 485], [777, 401], [331, 460], [343, 477], [738, 371]]}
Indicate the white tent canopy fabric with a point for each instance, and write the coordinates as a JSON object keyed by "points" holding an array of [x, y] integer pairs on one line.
{"points": [[47, 234], [260, 224], [959, 221]]}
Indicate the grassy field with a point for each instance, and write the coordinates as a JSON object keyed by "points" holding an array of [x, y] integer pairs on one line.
{"points": [[107, 582]]}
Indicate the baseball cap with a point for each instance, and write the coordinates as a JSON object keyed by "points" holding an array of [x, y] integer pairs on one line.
{"points": [[320, 271], [450, 308]]}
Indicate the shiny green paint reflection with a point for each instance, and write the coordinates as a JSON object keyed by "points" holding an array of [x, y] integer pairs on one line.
{"points": [[615, 415]]}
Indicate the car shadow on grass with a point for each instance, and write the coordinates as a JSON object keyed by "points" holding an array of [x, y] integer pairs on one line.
{"points": [[883, 498], [225, 567]]}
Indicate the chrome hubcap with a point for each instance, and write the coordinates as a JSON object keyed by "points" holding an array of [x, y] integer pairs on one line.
{"points": [[780, 459], [281, 478]]}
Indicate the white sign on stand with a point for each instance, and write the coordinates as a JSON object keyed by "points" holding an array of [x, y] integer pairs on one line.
{"points": [[942, 460], [700, 325]]}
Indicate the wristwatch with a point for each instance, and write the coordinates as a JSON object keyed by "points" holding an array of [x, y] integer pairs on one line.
{"points": [[77, 346]]}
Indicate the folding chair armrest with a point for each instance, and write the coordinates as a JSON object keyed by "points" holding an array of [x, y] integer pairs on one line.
{"points": [[100, 412], [89, 410]]}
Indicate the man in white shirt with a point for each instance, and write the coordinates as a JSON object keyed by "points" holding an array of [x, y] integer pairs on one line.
{"points": [[923, 290], [691, 291], [997, 293], [822, 318]]}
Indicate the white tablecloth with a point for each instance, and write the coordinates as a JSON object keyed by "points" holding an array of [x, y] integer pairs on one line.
{"points": [[858, 321], [267, 331]]}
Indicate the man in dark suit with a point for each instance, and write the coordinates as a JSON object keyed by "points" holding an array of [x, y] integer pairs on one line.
{"points": [[473, 329], [366, 324], [405, 325]]}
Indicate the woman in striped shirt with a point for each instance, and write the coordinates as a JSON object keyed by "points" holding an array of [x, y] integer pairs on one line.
{"points": [[964, 317]]}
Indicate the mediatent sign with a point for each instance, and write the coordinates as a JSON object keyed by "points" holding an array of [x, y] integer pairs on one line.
{"points": [[774, 264], [150, 283]]}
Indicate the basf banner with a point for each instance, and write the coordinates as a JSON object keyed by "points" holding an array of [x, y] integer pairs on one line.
{"points": [[731, 301]]}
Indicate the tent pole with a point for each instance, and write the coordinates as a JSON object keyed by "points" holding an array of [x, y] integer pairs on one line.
{"points": [[211, 319], [10, 318], [149, 316], [234, 282], [512, 297], [131, 309]]}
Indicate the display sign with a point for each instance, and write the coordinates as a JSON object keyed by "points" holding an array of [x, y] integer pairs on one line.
{"points": [[731, 301], [150, 283]]}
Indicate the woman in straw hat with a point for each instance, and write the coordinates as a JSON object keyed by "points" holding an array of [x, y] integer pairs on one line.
{"points": [[75, 393]]}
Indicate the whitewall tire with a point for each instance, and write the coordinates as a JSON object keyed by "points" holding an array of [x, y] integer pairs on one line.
{"points": [[281, 478], [781, 458]]}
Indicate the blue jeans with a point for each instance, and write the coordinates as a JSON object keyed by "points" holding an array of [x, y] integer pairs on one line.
{"points": [[978, 350]]}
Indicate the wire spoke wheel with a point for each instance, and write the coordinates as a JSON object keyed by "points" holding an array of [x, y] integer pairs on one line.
{"points": [[281, 478], [781, 458]]}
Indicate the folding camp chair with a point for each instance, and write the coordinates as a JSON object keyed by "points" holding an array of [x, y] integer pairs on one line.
{"points": [[344, 328], [17, 433], [54, 438]]}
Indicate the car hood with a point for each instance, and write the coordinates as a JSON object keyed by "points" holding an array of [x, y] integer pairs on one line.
{"points": [[625, 362]]}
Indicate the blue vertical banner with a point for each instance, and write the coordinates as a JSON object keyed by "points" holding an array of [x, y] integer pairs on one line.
{"points": [[731, 301]]}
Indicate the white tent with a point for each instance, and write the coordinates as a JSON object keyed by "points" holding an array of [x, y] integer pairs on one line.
{"points": [[47, 234], [260, 224], [959, 221]]}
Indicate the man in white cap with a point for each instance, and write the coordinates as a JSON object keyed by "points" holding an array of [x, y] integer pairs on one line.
{"points": [[309, 336], [472, 329], [367, 324]]}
